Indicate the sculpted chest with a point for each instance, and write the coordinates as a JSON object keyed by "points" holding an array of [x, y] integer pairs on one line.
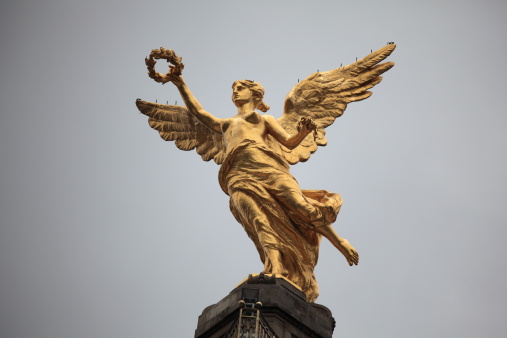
{"points": [[239, 121]]}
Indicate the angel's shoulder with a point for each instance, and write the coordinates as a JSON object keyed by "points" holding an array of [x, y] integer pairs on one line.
{"points": [[268, 118]]}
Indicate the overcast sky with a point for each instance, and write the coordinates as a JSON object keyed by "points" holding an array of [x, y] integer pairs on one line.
{"points": [[108, 231]]}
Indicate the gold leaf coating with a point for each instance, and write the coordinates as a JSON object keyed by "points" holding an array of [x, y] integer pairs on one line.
{"points": [[255, 151]]}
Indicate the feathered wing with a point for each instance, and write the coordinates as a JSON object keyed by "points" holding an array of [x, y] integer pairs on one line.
{"points": [[324, 96], [175, 123]]}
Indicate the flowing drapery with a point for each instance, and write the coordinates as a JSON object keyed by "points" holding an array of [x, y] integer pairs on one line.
{"points": [[276, 214]]}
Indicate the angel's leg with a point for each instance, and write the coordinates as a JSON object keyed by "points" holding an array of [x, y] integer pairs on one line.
{"points": [[253, 215], [293, 199], [289, 194], [340, 243]]}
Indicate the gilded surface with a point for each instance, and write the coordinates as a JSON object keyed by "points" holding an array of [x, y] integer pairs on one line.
{"points": [[285, 223]]}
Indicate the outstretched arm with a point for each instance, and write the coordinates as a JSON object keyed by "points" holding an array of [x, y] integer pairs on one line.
{"points": [[289, 141], [194, 107]]}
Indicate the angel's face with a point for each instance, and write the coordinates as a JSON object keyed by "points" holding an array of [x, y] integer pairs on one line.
{"points": [[241, 94]]}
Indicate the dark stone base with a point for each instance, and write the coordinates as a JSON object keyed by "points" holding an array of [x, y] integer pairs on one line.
{"points": [[284, 309]]}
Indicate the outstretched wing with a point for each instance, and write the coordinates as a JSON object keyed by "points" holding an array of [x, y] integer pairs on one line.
{"points": [[324, 97], [175, 123]]}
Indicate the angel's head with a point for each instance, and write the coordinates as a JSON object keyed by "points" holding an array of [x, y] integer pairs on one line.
{"points": [[245, 90]]}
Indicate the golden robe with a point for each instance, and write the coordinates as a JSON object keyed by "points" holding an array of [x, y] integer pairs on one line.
{"points": [[276, 214]]}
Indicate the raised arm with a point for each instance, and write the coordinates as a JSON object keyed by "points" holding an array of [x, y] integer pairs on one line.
{"points": [[194, 107], [289, 141]]}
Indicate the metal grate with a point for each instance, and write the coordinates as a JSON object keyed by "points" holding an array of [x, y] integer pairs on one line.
{"points": [[250, 323]]}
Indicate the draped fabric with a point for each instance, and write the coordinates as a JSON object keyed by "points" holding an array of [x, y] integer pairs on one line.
{"points": [[276, 214]]}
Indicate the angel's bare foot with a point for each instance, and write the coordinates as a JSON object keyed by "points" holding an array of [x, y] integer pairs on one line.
{"points": [[341, 244], [349, 252]]}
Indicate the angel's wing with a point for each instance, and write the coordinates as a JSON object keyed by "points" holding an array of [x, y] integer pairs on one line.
{"points": [[324, 97], [175, 123]]}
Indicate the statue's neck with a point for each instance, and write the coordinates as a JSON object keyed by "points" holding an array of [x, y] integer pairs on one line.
{"points": [[248, 107]]}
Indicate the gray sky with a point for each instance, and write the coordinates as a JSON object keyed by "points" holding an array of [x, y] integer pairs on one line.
{"points": [[107, 231]]}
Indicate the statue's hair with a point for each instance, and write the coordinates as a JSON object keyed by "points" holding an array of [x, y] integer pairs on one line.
{"points": [[257, 91]]}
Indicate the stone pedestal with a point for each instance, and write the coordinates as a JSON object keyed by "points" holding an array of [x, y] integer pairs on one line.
{"points": [[272, 307]]}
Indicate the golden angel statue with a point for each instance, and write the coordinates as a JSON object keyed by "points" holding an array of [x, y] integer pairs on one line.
{"points": [[254, 150]]}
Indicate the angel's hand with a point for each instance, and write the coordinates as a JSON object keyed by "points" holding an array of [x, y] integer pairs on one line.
{"points": [[176, 79], [306, 125]]}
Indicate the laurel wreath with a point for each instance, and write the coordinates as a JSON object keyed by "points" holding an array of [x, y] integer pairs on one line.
{"points": [[171, 57]]}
